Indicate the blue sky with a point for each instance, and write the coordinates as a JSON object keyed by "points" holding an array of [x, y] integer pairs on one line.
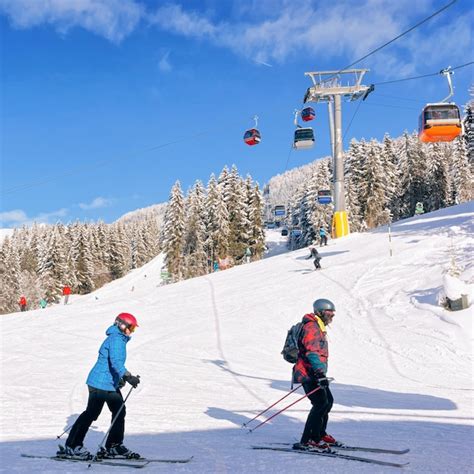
{"points": [[105, 103]]}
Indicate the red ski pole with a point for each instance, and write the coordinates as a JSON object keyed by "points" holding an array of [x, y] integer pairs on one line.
{"points": [[286, 408], [271, 406]]}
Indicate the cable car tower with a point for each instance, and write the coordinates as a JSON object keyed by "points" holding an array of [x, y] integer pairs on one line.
{"points": [[327, 87]]}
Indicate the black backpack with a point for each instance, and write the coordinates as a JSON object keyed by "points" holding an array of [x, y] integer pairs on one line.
{"points": [[291, 347]]}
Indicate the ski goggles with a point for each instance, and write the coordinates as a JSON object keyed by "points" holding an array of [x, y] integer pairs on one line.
{"points": [[131, 328]]}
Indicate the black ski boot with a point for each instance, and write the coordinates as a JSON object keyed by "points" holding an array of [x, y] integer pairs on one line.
{"points": [[120, 451], [78, 452]]}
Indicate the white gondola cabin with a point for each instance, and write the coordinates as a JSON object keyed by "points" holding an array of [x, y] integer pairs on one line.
{"points": [[304, 138], [279, 211]]}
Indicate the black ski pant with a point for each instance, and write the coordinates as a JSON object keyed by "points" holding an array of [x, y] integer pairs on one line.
{"points": [[317, 263], [317, 421], [96, 401]]}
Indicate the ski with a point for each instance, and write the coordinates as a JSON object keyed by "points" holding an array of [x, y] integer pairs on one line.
{"points": [[90, 461], [344, 447], [148, 460], [333, 454]]}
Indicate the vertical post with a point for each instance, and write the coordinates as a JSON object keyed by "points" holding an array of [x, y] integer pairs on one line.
{"points": [[331, 127], [338, 165], [390, 239], [340, 222]]}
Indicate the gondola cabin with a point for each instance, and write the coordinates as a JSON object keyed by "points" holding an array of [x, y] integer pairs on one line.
{"points": [[252, 137], [439, 123], [324, 196], [308, 114], [304, 138], [279, 211]]}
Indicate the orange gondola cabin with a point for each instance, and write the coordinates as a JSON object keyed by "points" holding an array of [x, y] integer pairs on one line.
{"points": [[439, 123], [252, 137]]}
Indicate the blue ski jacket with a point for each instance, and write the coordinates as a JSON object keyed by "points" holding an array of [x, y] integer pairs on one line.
{"points": [[110, 365]]}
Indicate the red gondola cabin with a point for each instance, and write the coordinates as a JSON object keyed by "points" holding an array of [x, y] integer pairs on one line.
{"points": [[308, 114], [252, 137]]}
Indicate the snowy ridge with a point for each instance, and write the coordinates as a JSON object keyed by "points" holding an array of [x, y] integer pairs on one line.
{"points": [[208, 353]]}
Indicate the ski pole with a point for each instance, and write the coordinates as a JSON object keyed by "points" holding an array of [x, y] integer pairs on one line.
{"points": [[251, 430], [271, 406], [65, 431], [110, 428]]}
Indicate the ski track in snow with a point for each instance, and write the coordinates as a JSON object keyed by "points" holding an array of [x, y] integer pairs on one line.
{"points": [[208, 350]]}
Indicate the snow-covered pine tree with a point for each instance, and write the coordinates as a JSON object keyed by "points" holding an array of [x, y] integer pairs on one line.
{"points": [[195, 256], [172, 237], [117, 251], [51, 263], [439, 184], [85, 261], [217, 222], [413, 169], [234, 196], [461, 172], [389, 160], [356, 156], [376, 208], [10, 290], [255, 215], [469, 127]]}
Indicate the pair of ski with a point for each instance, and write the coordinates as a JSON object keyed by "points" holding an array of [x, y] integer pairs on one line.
{"points": [[336, 452], [117, 462]]}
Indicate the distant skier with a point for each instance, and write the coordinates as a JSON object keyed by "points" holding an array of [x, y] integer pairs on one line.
{"points": [[66, 293], [323, 236], [104, 382], [248, 254], [317, 258], [43, 303], [22, 303], [310, 370]]}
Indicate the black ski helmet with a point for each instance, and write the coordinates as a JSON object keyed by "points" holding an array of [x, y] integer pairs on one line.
{"points": [[323, 304]]}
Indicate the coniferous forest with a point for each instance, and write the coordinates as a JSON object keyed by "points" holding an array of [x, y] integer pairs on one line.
{"points": [[225, 220]]}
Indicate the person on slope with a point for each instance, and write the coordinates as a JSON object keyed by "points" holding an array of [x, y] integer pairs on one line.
{"points": [[66, 293], [323, 236], [104, 382], [310, 370], [22, 303], [317, 258]]}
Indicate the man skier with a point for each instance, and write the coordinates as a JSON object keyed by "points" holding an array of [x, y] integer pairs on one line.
{"points": [[310, 370], [317, 258], [104, 382]]}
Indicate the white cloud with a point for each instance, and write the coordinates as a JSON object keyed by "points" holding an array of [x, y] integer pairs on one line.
{"points": [[96, 203], [18, 217], [173, 18], [276, 30], [112, 19], [272, 31], [164, 64]]}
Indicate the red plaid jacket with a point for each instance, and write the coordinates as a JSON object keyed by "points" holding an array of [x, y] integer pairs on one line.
{"points": [[313, 353]]}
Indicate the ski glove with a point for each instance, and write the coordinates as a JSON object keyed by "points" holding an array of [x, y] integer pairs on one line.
{"points": [[323, 382], [131, 379]]}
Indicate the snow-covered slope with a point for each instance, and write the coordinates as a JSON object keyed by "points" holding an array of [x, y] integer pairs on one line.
{"points": [[208, 353]]}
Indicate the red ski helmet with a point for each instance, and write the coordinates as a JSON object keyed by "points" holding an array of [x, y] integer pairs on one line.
{"points": [[126, 321]]}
